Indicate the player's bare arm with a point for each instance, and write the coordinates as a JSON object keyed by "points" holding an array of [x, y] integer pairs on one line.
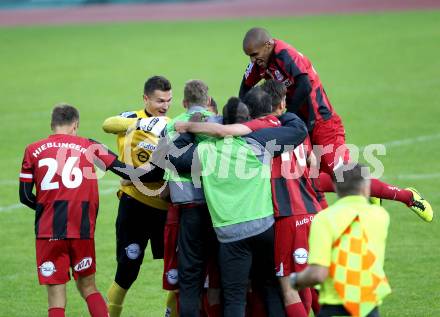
{"points": [[213, 129]]}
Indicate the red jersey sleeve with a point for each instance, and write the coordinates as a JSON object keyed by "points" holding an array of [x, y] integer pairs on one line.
{"points": [[264, 122], [102, 156], [27, 168]]}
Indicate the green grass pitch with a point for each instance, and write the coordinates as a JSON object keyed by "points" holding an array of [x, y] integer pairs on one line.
{"points": [[381, 72]]}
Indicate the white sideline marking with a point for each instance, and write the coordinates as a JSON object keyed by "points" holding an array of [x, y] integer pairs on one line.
{"points": [[11, 207], [409, 141], [414, 176]]}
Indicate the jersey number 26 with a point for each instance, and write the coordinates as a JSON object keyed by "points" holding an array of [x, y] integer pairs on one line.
{"points": [[68, 171]]}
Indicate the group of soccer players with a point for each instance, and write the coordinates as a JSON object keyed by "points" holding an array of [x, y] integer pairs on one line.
{"points": [[230, 237]]}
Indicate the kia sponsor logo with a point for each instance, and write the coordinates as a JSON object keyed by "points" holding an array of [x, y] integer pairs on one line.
{"points": [[84, 264]]}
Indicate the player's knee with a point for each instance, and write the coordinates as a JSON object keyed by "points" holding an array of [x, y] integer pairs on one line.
{"points": [[127, 273], [86, 285]]}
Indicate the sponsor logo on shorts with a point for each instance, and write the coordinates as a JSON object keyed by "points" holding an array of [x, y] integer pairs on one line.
{"points": [[172, 277], [133, 251], [84, 264], [304, 221], [47, 269], [300, 255]]}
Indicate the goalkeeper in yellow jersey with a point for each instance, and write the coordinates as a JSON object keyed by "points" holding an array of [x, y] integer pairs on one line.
{"points": [[141, 213]]}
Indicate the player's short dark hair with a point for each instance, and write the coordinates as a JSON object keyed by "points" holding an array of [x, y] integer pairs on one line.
{"points": [[276, 90], [258, 102], [156, 83], [235, 111], [63, 114], [350, 179], [196, 93]]}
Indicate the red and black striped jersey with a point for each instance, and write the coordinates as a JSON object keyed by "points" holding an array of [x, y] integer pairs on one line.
{"points": [[284, 65], [292, 188], [62, 169]]}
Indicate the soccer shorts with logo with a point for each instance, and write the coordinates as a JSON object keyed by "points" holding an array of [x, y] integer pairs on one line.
{"points": [[291, 243], [330, 133], [137, 224], [56, 257], [170, 277]]}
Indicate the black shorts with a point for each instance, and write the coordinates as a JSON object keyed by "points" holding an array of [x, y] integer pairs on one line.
{"points": [[135, 225]]}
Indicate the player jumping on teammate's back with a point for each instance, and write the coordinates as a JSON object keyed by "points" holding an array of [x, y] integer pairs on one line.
{"points": [[274, 59], [61, 167]]}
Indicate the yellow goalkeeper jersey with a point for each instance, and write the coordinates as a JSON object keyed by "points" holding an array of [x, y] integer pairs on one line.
{"points": [[135, 148]]}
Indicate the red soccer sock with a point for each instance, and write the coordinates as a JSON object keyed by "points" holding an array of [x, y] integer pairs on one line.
{"points": [[56, 312], [315, 301], [379, 189], [97, 306], [383, 190], [296, 310], [306, 299]]}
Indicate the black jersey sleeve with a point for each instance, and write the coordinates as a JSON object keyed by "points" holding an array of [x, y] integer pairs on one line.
{"points": [[281, 139], [26, 196]]}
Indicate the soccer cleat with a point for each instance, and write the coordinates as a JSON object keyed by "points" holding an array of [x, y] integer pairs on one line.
{"points": [[421, 206]]}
